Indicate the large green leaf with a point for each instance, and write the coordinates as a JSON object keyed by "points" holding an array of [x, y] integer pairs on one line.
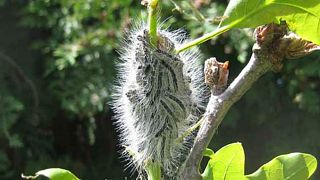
{"points": [[302, 16], [294, 166], [227, 163]]}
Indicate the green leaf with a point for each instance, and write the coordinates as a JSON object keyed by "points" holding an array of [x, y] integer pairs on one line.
{"points": [[293, 166], [226, 164], [54, 174], [302, 17], [57, 174]]}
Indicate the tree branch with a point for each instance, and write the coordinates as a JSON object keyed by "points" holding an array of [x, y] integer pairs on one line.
{"points": [[266, 56]]}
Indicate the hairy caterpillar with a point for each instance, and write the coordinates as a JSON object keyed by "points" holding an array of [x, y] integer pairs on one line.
{"points": [[159, 95]]}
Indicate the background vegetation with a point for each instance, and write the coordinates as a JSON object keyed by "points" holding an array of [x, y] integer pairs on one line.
{"points": [[57, 69]]}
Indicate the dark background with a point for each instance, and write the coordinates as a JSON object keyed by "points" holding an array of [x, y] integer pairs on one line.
{"points": [[57, 67]]}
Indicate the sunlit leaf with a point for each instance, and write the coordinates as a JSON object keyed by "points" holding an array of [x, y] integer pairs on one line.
{"points": [[302, 17], [227, 164], [294, 166]]}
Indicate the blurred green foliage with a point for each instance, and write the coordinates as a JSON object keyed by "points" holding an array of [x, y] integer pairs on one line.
{"points": [[58, 63]]}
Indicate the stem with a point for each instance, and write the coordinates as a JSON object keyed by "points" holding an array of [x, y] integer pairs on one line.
{"points": [[152, 21], [153, 171], [189, 131], [203, 38]]}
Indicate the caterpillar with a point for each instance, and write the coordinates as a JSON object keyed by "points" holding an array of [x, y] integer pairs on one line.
{"points": [[158, 96]]}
